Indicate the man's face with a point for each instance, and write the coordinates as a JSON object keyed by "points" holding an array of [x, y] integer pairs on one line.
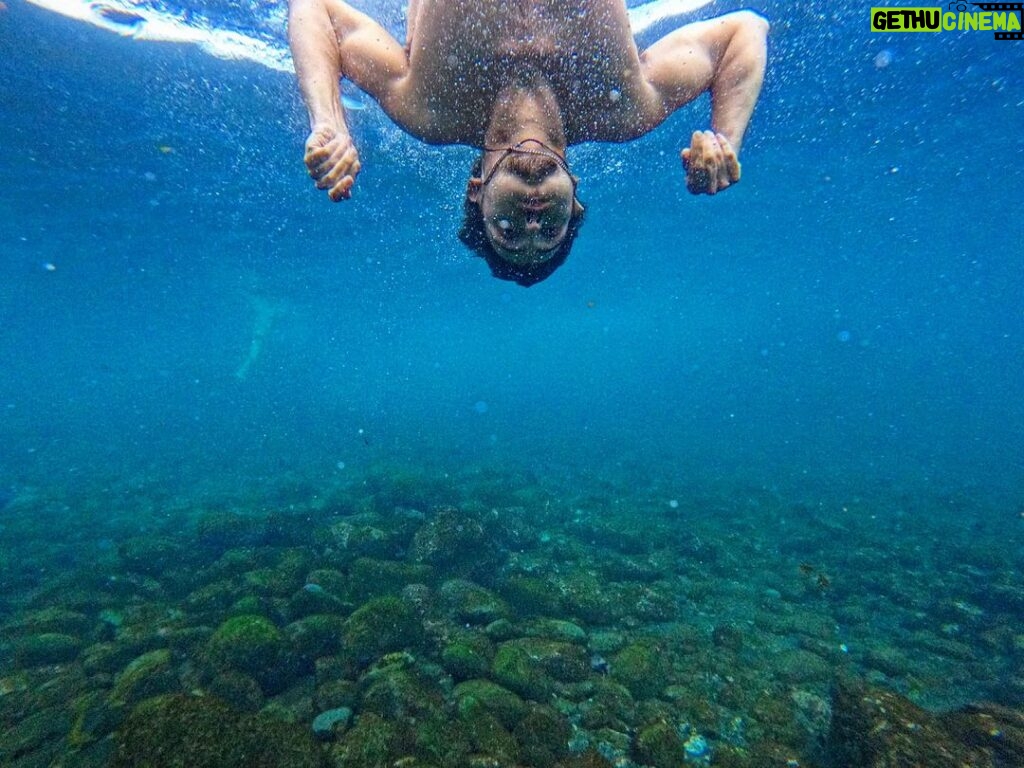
{"points": [[526, 200]]}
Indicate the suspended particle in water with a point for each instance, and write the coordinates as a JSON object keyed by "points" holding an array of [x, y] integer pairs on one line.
{"points": [[49, 266], [673, 504], [614, 95], [843, 336], [481, 407], [340, 465], [883, 59]]}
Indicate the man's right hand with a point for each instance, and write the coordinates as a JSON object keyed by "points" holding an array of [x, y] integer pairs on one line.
{"points": [[332, 161], [710, 162]]}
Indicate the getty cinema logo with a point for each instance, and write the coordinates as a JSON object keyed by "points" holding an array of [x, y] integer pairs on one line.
{"points": [[1004, 19]]}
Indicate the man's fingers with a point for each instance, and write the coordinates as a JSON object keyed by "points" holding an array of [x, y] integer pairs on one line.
{"points": [[696, 154], [348, 165], [732, 167], [710, 162], [342, 190], [329, 163], [323, 161]]}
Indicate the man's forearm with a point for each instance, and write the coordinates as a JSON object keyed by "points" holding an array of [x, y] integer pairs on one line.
{"points": [[736, 83], [317, 58]]}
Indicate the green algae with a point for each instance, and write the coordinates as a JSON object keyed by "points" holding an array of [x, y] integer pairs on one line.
{"points": [[247, 643], [380, 626], [468, 655], [46, 648], [148, 675], [642, 667], [660, 745], [178, 731], [505, 705]]}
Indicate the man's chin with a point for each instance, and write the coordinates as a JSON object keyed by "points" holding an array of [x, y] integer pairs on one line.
{"points": [[521, 261]]}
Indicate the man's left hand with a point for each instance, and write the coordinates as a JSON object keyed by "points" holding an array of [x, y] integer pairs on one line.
{"points": [[710, 162]]}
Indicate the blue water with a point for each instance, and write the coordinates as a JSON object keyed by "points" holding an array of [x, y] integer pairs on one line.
{"points": [[852, 310], [181, 310]]}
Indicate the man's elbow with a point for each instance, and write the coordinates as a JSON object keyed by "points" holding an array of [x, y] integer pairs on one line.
{"points": [[751, 23], [748, 40]]}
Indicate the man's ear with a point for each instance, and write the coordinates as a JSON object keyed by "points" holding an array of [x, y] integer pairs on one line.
{"points": [[576, 207], [474, 188]]}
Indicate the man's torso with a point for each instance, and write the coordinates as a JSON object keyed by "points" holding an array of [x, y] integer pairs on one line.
{"points": [[463, 52]]}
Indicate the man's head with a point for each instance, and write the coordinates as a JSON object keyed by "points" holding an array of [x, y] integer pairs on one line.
{"points": [[521, 213]]}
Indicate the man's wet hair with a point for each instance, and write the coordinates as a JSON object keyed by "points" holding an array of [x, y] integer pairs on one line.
{"points": [[474, 234]]}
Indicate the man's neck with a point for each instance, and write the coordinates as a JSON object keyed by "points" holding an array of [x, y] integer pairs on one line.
{"points": [[523, 110]]}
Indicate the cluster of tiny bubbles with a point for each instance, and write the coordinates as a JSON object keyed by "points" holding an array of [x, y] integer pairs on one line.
{"points": [[883, 59]]}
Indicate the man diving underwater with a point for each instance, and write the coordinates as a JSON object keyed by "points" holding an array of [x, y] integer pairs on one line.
{"points": [[522, 80]]}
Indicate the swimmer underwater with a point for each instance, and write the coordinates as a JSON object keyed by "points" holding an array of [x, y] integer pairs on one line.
{"points": [[521, 81]]}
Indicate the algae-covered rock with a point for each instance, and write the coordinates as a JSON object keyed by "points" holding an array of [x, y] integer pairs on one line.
{"points": [[487, 735], [353, 540], [36, 738], [151, 674], [52, 620], [610, 705], [660, 745], [178, 731], [467, 602], [587, 597], [237, 689], [371, 577], [514, 668], [396, 689], [272, 582], [799, 666], [380, 626], [998, 729], [152, 555], [437, 742], [532, 595], [468, 655], [247, 643], [458, 543], [649, 603], [590, 758], [555, 629], [530, 665], [506, 706], [642, 668], [543, 735], [214, 596], [46, 648], [95, 716], [331, 694], [875, 728], [317, 635], [372, 742]]}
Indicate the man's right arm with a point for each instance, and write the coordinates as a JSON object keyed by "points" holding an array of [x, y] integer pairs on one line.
{"points": [[330, 40], [725, 56]]}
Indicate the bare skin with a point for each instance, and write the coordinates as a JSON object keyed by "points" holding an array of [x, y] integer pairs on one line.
{"points": [[550, 73]]}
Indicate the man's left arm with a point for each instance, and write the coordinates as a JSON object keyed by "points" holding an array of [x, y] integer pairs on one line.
{"points": [[725, 56]]}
